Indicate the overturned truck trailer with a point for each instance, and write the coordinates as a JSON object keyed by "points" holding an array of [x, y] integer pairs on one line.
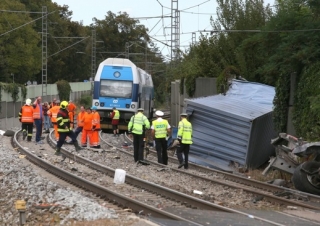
{"points": [[299, 158], [236, 127]]}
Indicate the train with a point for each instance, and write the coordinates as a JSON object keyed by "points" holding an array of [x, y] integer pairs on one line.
{"points": [[120, 83]]}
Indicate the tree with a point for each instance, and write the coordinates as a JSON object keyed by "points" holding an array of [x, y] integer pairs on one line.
{"points": [[19, 51]]}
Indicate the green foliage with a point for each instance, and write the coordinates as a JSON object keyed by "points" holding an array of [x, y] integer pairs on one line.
{"points": [[13, 89], [224, 79], [86, 101], [306, 114], [64, 89], [281, 103]]}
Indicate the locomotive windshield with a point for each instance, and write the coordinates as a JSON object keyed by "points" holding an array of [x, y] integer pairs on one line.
{"points": [[112, 88]]}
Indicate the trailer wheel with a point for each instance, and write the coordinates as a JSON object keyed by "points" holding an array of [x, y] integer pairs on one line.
{"points": [[304, 180]]}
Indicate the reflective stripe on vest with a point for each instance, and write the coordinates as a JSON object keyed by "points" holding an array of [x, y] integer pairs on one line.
{"points": [[185, 131], [36, 112], [116, 114], [160, 128], [27, 114]]}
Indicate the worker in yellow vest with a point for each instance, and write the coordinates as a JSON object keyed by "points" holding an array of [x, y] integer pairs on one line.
{"points": [[115, 115], [185, 139], [137, 125], [160, 129]]}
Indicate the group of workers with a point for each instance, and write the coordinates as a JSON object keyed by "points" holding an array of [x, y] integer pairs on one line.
{"points": [[88, 123], [62, 117], [160, 130]]}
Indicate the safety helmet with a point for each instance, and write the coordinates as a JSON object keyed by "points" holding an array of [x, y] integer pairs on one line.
{"points": [[64, 104], [94, 108], [28, 102], [159, 113]]}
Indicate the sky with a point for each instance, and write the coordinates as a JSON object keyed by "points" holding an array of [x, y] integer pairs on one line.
{"points": [[194, 16]]}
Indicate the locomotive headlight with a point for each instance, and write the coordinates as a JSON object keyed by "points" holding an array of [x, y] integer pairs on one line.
{"points": [[133, 106], [96, 103]]}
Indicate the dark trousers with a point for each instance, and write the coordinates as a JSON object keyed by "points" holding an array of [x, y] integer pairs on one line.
{"points": [[77, 131], [28, 127], [184, 148], [63, 136], [138, 146], [38, 124], [161, 147]]}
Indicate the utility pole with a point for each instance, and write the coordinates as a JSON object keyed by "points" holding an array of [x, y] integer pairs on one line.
{"points": [[93, 56], [175, 30], [193, 38], [44, 50]]}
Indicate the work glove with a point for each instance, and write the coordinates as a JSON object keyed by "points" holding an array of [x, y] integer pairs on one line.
{"points": [[179, 139], [93, 128]]}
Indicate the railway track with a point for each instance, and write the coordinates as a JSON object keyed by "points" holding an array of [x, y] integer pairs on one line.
{"points": [[269, 192], [149, 198]]}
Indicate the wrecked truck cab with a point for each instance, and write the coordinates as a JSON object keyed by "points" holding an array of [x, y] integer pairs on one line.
{"points": [[299, 158], [307, 149]]}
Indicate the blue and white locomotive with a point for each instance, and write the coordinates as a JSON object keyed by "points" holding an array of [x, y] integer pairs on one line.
{"points": [[120, 83]]}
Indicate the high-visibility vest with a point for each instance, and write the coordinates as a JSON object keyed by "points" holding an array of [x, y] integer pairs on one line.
{"points": [[36, 112], [26, 114], [96, 120], [53, 113], [87, 121], [137, 122], [80, 118], [185, 131], [116, 114], [160, 128], [71, 107], [63, 121]]}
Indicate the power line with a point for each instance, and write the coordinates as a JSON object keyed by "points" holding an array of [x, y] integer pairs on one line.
{"points": [[69, 46], [14, 11], [25, 24], [258, 31]]}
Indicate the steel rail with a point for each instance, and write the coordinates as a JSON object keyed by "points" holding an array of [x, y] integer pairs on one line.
{"points": [[169, 193], [247, 182], [103, 192]]}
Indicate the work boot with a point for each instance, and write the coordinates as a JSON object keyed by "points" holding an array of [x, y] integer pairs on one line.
{"points": [[76, 145], [24, 134], [180, 165], [58, 153]]}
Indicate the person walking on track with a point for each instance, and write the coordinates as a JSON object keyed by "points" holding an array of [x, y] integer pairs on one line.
{"points": [[53, 113], [137, 125], [71, 109], [86, 136], [26, 118], [115, 115], [38, 117], [159, 130], [46, 118], [95, 128], [185, 139], [64, 128], [80, 118]]}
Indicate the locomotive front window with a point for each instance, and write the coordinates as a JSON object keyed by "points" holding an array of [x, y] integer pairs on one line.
{"points": [[112, 88]]}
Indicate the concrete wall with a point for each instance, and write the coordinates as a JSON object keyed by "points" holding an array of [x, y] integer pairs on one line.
{"points": [[10, 111]]}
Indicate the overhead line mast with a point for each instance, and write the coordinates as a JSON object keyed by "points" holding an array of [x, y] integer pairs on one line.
{"points": [[44, 50], [175, 30]]}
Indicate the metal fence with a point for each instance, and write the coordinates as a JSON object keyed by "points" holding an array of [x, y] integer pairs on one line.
{"points": [[10, 110]]}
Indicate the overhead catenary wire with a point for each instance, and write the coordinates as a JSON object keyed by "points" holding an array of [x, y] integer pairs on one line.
{"points": [[25, 24]]}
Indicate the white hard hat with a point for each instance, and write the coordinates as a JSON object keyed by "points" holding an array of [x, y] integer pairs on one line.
{"points": [[28, 101], [159, 113]]}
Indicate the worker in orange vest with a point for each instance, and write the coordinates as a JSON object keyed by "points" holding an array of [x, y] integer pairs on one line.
{"points": [[87, 128], [95, 128], [26, 118], [80, 118], [72, 109], [53, 113]]}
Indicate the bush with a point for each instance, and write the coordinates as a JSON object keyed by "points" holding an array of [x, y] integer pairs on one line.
{"points": [[86, 101]]}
